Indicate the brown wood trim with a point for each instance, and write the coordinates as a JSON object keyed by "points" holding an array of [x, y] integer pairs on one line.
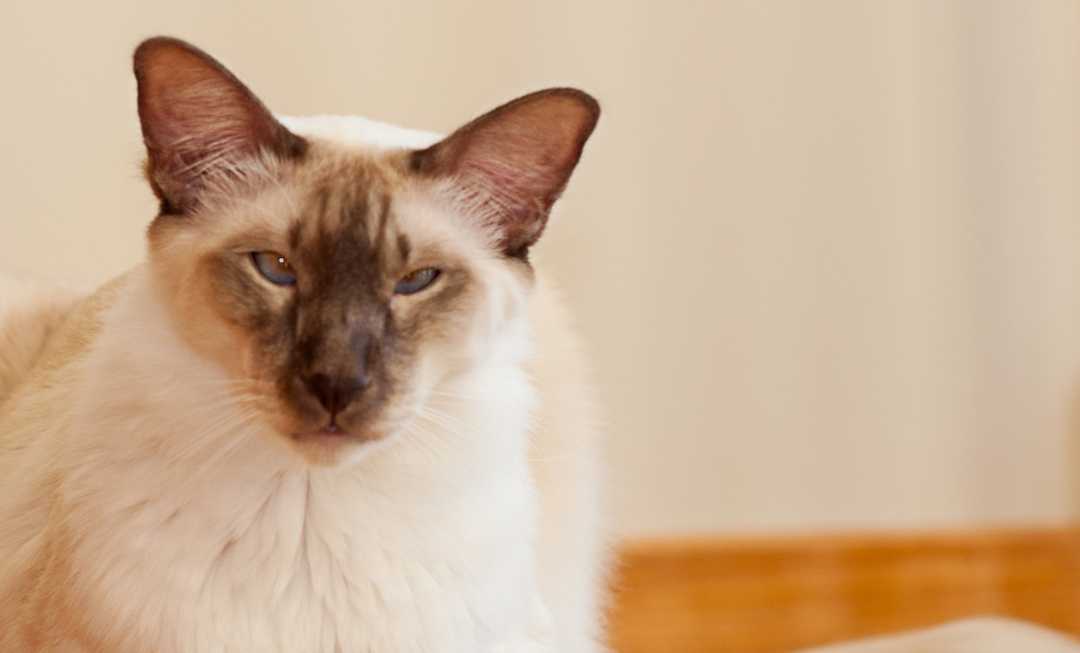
{"points": [[783, 593]]}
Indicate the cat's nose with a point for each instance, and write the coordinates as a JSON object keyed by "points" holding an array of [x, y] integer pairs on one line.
{"points": [[335, 393]]}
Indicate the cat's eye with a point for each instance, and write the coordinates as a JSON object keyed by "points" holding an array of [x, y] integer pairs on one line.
{"points": [[416, 281], [274, 267]]}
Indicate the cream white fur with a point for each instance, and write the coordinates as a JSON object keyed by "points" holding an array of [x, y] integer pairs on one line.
{"points": [[475, 531], [358, 131], [28, 315]]}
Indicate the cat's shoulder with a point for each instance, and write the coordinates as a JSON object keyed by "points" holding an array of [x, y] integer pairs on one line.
{"points": [[559, 367], [42, 322], [553, 326], [29, 311]]}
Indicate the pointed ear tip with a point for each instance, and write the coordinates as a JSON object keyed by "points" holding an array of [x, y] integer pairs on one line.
{"points": [[156, 47], [578, 96], [587, 107], [148, 47]]}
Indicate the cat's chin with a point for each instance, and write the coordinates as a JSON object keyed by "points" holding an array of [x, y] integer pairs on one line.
{"points": [[331, 445]]}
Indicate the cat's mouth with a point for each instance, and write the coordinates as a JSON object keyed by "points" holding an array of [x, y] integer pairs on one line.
{"points": [[326, 438], [325, 443], [331, 432]]}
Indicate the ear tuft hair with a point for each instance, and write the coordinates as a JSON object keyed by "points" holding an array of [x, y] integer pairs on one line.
{"points": [[510, 165], [200, 123]]}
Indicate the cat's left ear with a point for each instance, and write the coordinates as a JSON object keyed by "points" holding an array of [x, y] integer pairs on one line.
{"points": [[510, 165], [200, 123]]}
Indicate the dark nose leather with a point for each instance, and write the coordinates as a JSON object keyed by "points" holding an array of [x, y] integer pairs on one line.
{"points": [[335, 393]]}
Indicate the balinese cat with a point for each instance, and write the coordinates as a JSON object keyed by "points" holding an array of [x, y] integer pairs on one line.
{"points": [[337, 410]]}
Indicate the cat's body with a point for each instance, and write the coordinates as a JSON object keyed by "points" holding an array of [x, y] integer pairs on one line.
{"points": [[330, 560], [151, 500]]}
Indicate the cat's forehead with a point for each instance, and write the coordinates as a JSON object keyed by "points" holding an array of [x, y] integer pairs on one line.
{"points": [[353, 171], [351, 192], [337, 186], [355, 168], [345, 206], [359, 131]]}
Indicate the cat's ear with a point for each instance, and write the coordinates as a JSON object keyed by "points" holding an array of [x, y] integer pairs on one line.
{"points": [[511, 164], [199, 122]]}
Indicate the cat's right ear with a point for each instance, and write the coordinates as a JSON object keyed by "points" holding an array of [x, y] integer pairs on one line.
{"points": [[510, 165], [200, 123]]}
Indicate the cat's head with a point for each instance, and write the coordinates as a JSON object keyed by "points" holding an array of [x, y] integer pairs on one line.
{"points": [[335, 285]]}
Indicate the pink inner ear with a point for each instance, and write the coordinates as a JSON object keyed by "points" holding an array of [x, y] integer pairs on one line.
{"points": [[505, 201], [513, 163], [198, 121]]}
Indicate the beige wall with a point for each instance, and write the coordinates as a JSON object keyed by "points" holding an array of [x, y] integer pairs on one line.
{"points": [[824, 252]]}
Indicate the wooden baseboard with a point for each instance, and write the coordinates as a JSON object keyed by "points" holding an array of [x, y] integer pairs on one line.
{"points": [[779, 594]]}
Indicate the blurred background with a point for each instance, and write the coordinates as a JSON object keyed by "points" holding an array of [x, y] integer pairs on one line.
{"points": [[825, 254]]}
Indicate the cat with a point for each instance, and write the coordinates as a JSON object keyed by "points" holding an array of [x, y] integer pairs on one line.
{"points": [[337, 409]]}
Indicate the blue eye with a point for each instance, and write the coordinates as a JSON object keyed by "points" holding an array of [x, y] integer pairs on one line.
{"points": [[274, 267], [416, 281]]}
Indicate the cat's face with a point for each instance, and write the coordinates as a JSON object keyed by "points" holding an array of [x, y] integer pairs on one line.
{"points": [[338, 287], [337, 298]]}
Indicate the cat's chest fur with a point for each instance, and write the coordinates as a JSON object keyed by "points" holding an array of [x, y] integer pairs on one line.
{"points": [[200, 537], [313, 568]]}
